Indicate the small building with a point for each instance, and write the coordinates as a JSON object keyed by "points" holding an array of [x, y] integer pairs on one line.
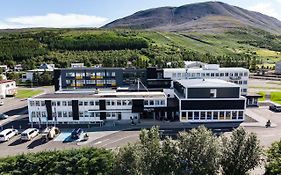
{"points": [[194, 64], [77, 65], [278, 67], [29, 74], [18, 68], [252, 99], [7, 88], [210, 101]]}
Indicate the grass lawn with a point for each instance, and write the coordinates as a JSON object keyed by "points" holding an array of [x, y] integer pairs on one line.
{"points": [[275, 97], [263, 96], [26, 93]]}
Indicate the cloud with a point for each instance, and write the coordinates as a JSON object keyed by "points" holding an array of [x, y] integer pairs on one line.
{"points": [[53, 20], [266, 8]]}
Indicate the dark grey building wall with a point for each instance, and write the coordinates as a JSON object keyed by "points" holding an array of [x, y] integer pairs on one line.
{"points": [[212, 104], [221, 92]]}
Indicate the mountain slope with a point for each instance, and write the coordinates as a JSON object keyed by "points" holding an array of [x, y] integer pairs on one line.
{"points": [[207, 16]]}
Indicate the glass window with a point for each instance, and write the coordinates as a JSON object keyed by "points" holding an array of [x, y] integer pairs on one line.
{"points": [[42, 103], [113, 102], [228, 114], [240, 115], [97, 103], [69, 103], [44, 114], [212, 74], [32, 114], [119, 102], [236, 74], [31, 103], [70, 114], [58, 103], [174, 75], [92, 103], [59, 114], [234, 115], [207, 74], [157, 102], [226, 74], [240, 74], [80, 103], [221, 115], [124, 102], [81, 114], [215, 115], [196, 115], [151, 102], [64, 114], [217, 74], [37, 103], [190, 115], [85, 103], [183, 115], [162, 102], [108, 102], [203, 116], [209, 115], [53, 103], [221, 74], [245, 74], [64, 103]]}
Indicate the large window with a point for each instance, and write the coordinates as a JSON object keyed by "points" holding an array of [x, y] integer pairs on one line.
{"points": [[196, 115], [234, 115], [215, 115], [221, 115], [183, 115], [190, 115], [209, 115], [203, 116], [240, 115]]}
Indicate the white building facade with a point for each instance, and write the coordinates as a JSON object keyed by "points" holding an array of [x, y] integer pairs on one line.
{"points": [[235, 75], [7, 88]]}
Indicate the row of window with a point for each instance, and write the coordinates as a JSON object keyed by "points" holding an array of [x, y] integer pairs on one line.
{"points": [[54, 103], [212, 115], [154, 102], [90, 74], [221, 74], [69, 82]]}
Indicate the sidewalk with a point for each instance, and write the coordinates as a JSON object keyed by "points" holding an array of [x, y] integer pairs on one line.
{"points": [[261, 121]]}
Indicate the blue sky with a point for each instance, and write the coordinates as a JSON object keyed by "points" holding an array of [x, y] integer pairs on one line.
{"points": [[94, 13]]}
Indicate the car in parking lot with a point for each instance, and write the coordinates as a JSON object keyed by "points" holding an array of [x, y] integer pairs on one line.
{"points": [[3, 116], [76, 133], [29, 134], [7, 134], [50, 132], [275, 108]]}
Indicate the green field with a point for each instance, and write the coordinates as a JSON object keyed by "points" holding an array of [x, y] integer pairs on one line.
{"points": [[263, 96], [275, 97], [27, 93]]}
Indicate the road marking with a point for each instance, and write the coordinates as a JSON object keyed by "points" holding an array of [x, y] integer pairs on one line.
{"points": [[118, 140], [99, 142]]}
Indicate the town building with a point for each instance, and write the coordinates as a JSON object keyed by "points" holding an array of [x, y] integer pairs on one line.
{"points": [[7, 88], [29, 74], [210, 101]]}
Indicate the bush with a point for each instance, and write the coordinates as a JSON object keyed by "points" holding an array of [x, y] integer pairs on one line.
{"points": [[273, 166]]}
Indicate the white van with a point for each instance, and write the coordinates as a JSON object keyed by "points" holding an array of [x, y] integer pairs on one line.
{"points": [[7, 134], [29, 134]]}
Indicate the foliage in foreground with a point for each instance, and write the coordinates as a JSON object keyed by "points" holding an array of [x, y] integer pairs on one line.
{"points": [[273, 166], [80, 161], [197, 152]]}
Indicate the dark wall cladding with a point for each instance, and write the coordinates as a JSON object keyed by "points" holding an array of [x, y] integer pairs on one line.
{"points": [[137, 105], [212, 104], [75, 110], [103, 115], [56, 80], [102, 104], [48, 104], [221, 92]]}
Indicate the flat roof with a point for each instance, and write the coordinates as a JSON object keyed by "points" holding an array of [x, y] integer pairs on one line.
{"points": [[203, 83], [102, 95], [202, 69]]}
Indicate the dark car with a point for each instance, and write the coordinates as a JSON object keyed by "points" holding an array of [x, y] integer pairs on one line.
{"points": [[76, 133], [275, 108], [3, 116]]}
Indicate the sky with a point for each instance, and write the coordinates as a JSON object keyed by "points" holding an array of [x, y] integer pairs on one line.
{"points": [[95, 13]]}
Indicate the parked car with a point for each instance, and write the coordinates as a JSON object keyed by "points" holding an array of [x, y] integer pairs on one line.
{"points": [[3, 116], [76, 133], [275, 108], [7, 134], [29, 134], [1, 102], [50, 132]]}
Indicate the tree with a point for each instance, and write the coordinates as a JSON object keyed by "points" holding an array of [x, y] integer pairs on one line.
{"points": [[273, 166], [198, 152], [240, 153]]}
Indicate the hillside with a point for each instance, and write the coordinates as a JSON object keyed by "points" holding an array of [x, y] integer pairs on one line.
{"points": [[203, 17], [136, 48]]}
